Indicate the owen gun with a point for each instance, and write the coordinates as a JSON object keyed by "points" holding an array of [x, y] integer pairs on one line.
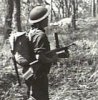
{"points": [[59, 51]]}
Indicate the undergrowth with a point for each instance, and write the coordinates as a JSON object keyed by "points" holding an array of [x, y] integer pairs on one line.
{"points": [[74, 78]]}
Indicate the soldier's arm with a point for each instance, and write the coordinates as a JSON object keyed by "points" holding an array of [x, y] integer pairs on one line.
{"points": [[41, 48], [44, 59]]}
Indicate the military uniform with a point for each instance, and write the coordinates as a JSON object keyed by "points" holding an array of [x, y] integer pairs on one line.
{"points": [[39, 44], [27, 49]]}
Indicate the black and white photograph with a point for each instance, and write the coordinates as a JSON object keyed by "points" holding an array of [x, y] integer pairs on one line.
{"points": [[48, 49]]}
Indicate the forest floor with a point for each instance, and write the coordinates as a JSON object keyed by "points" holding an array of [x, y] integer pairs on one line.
{"points": [[75, 78]]}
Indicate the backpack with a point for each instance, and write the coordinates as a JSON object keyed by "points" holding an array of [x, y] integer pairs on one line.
{"points": [[19, 43]]}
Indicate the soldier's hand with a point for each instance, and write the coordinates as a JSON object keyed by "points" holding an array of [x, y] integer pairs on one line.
{"points": [[54, 58]]}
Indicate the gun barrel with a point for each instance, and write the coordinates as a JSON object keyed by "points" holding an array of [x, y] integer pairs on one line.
{"points": [[60, 49]]}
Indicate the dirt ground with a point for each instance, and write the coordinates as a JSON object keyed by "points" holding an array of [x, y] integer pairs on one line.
{"points": [[75, 78]]}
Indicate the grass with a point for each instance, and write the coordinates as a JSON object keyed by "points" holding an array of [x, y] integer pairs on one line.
{"points": [[75, 78], [72, 80]]}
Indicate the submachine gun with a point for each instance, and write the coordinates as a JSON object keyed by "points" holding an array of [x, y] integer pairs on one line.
{"points": [[61, 52]]}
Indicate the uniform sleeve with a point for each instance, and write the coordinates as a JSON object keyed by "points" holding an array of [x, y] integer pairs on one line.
{"points": [[41, 44]]}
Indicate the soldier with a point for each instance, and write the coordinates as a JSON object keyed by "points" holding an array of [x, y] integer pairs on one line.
{"points": [[39, 45]]}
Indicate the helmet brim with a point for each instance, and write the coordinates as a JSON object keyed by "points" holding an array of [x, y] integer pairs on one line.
{"points": [[31, 22]]}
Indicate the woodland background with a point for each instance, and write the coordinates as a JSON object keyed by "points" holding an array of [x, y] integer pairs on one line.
{"points": [[74, 78]]}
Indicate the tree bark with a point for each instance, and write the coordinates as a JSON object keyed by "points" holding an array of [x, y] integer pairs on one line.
{"points": [[40, 1], [67, 7], [62, 6], [76, 8], [17, 15], [93, 8], [8, 19], [74, 14], [97, 7], [51, 11]]}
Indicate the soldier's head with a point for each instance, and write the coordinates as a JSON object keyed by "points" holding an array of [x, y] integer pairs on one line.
{"points": [[39, 17]]}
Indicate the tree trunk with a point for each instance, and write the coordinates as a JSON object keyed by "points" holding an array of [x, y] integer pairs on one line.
{"points": [[73, 14], [17, 15], [96, 7], [93, 8], [37, 2], [40, 1], [8, 19], [67, 4], [62, 6], [76, 8], [51, 11]]}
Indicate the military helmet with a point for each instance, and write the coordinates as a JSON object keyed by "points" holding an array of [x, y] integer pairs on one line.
{"points": [[38, 14]]}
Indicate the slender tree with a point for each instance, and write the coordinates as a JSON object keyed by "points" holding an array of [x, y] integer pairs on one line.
{"points": [[67, 8], [74, 14], [77, 8], [9, 13], [8, 19], [62, 7], [51, 10], [40, 1], [93, 8], [17, 15]]}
